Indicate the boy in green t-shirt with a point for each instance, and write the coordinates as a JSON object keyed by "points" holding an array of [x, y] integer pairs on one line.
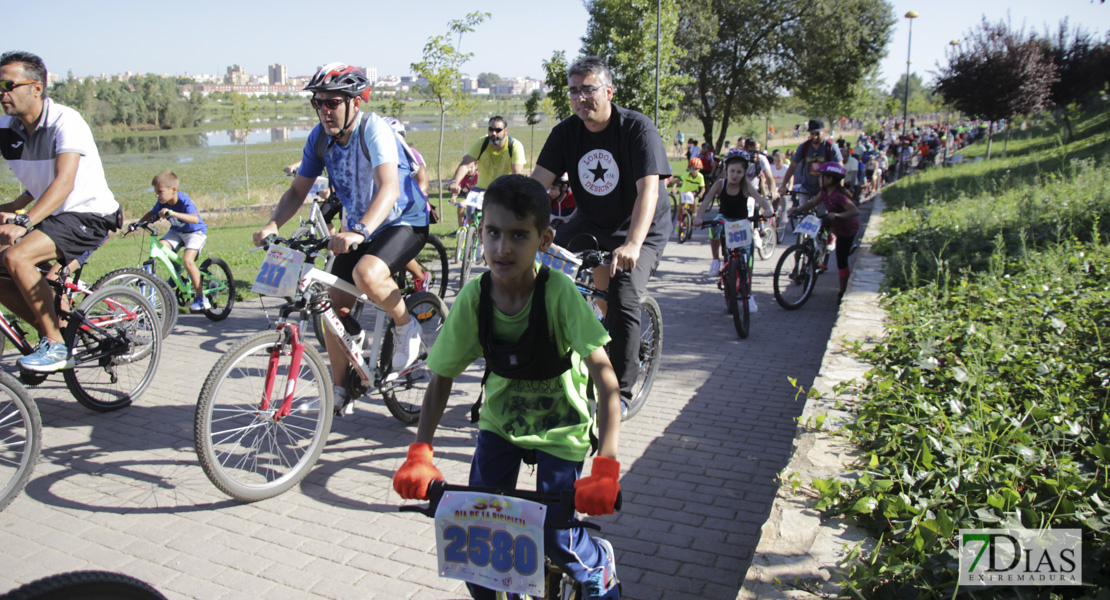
{"points": [[532, 411]]}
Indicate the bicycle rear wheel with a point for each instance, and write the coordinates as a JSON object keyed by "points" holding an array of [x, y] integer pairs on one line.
{"points": [[736, 288], [434, 262], [152, 288], [20, 438], [115, 340], [768, 242], [405, 394], [650, 353], [794, 277], [248, 449], [218, 285]]}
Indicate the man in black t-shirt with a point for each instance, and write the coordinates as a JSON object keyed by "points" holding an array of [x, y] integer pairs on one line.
{"points": [[615, 158]]}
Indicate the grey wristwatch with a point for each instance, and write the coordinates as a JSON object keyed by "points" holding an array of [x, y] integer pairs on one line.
{"points": [[22, 220]]}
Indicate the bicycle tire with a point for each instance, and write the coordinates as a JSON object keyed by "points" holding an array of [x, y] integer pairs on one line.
{"points": [[153, 288], [686, 226], [766, 249], [737, 280], [86, 585], [675, 208], [244, 450], [20, 438], [433, 259], [405, 394], [219, 288], [650, 354], [795, 276], [460, 243], [115, 361], [465, 265]]}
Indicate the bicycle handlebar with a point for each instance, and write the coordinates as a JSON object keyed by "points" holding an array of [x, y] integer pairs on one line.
{"points": [[555, 519]]}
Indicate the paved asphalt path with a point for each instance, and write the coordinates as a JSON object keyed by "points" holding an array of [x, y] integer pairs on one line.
{"points": [[124, 492]]}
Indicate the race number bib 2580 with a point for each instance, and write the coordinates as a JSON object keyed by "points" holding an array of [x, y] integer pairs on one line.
{"points": [[492, 541]]}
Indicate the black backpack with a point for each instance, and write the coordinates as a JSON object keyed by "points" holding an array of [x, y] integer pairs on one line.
{"points": [[485, 144]]}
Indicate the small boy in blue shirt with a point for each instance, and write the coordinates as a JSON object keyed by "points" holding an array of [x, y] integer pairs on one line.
{"points": [[186, 229], [536, 393]]}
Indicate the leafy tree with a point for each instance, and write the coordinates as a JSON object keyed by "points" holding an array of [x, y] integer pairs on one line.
{"points": [[852, 36], [623, 33], [555, 77], [922, 99], [532, 108], [1083, 65], [488, 80], [996, 73], [394, 108], [441, 68]]}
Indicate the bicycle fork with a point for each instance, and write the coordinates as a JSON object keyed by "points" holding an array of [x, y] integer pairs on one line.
{"points": [[293, 338]]}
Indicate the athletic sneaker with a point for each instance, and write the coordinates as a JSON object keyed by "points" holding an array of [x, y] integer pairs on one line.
{"points": [[338, 397], [715, 268], [200, 304], [752, 308], [406, 344], [49, 356], [822, 268], [603, 578], [420, 284]]}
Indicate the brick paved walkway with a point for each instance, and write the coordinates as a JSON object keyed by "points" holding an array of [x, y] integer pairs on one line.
{"points": [[123, 491]]}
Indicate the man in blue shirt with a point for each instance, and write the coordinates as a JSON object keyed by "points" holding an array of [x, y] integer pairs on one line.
{"points": [[386, 221]]}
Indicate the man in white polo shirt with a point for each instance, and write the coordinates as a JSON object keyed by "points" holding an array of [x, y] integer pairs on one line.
{"points": [[66, 209]]}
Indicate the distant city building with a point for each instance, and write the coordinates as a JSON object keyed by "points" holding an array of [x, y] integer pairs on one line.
{"points": [[249, 90], [278, 75], [205, 78], [372, 74], [236, 75]]}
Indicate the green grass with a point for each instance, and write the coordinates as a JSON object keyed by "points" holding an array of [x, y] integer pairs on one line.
{"points": [[988, 402]]}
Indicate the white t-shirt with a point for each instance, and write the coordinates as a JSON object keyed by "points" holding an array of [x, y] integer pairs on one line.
{"points": [[33, 158], [851, 166]]}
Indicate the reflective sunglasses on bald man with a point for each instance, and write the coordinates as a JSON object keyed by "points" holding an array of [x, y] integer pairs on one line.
{"points": [[7, 85], [330, 103]]}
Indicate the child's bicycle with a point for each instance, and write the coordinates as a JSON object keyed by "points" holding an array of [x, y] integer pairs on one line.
{"points": [[265, 410], [216, 280], [579, 267], [684, 216], [736, 274], [20, 438], [468, 238], [517, 554], [801, 263], [114, 340]]}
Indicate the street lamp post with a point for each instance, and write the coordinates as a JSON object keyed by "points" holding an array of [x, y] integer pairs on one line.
{"points": [[909, 46]]}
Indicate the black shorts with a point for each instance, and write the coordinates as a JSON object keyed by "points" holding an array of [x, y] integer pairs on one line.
{"points": [[76, 234], [395, 246]]}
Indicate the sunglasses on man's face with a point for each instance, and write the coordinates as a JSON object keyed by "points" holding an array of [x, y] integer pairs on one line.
{"points": [[7, 85], [330, 103], [496, 129]]}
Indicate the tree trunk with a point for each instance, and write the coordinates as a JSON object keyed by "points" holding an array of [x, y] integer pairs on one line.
{"points": [[439, 159], [990, 135], [246, 171]]}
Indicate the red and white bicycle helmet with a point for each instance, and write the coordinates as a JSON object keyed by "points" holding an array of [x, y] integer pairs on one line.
{"points": [[342, 78], [833, 168]]}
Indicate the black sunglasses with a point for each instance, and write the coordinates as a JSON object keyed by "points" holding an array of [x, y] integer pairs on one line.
{"points": [[496, 129], [7, 85], [330, 103]]}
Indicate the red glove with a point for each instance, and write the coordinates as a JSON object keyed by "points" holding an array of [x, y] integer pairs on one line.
{"points": [[597, 494], [413, 478]]}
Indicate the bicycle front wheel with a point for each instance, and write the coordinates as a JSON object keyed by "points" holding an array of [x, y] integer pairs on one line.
{"points": [[768, 242], [433, 259], [650, 353], [468, 242], [115, 341], [152, 288], [685, 225], [86, 585], [794, 277], [736, 282], [404, 394], [246, 446], [218, 285], [20, 438]]}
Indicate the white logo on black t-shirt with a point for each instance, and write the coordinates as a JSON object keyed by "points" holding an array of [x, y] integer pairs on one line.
{"points": [[598, 172]]}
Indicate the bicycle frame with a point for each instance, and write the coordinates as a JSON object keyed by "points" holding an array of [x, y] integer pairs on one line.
{"points": [[65, 286], [174, 266]]}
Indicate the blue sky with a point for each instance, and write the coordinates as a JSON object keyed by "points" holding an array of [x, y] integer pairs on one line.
{"points": [[204, 36]]}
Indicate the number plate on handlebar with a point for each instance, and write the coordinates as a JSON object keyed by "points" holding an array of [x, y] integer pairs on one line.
{"points": [[809, 226], [279, 273], [738, 234], [491, 540], [558, 258], [474, 199]]}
